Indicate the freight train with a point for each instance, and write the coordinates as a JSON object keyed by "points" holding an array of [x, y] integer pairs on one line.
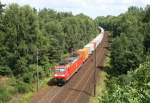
{"points": [[67, 68]]}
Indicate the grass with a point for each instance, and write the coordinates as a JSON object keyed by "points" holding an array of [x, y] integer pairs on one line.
{"points": [[101, 85], [27, 96], [24, 98], [6, 90]]}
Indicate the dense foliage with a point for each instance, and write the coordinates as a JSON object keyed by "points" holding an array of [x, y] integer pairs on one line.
{"points": [[129, 74], [53, 34], [127, 46], [26, 34], [131, 88]]}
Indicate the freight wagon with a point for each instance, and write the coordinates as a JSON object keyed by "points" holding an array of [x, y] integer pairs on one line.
{"points": [[67, 68]]}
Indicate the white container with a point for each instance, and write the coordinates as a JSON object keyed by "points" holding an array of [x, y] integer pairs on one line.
{"points": [[95, 42], [102, 30], [90, 48], [100, 37]]}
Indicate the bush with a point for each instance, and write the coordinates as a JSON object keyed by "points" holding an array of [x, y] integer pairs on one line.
{"points": [[130, 88], [5, 71], [23, 87], [5, 94], [28, 77]]}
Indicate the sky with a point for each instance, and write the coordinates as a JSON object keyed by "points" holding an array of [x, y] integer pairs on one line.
{"points": [[92, 8]]}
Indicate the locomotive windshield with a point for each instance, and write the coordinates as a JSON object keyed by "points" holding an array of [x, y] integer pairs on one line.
{"points": [[59, 70]]}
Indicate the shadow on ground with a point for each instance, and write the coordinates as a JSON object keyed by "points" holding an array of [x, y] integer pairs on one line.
{"points": [[51, 82]]}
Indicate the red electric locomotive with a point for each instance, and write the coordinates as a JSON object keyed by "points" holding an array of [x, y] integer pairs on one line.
{"points": [[69, 66]]}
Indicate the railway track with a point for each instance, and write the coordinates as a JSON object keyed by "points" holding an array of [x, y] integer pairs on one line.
{"points": [[79, 87]]}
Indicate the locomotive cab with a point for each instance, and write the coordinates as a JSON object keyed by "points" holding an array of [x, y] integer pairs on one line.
{"points": [[59, 74], [66, 68]]}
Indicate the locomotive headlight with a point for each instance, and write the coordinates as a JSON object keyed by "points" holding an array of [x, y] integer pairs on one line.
{"points": [[59, 75], [63, 75]]}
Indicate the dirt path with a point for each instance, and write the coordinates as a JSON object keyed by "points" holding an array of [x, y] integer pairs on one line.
{"points": [[79, 87]]}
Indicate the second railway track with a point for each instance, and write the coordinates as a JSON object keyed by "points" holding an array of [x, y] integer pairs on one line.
{"points": [[79, 87]]}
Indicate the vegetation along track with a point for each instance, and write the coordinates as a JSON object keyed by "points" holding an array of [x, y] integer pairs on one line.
{"points": [[79, 87]]}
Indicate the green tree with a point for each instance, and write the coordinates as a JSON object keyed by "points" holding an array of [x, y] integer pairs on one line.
{"points": [[146, 26], [21, 37], [130, 88]]}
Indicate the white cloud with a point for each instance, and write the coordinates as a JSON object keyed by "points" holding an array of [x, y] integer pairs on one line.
{"points": [[92, 8], [145, 2]]}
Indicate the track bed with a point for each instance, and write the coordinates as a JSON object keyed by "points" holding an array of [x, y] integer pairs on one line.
{"points": [[80, 86]]}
